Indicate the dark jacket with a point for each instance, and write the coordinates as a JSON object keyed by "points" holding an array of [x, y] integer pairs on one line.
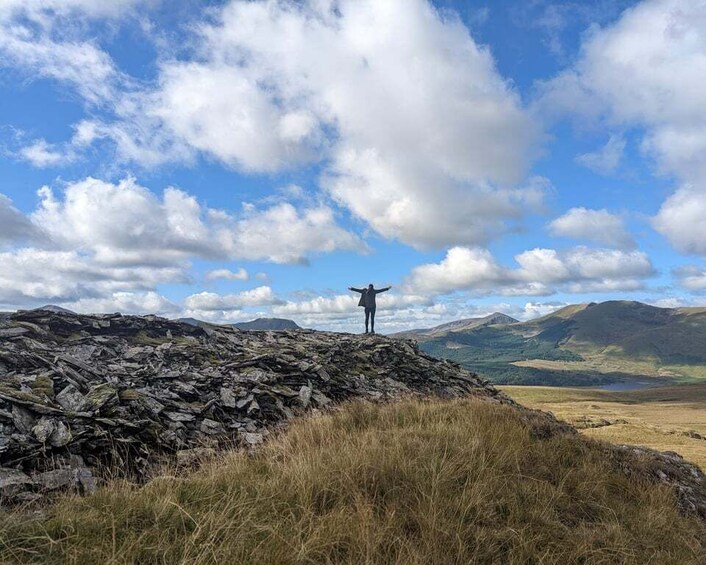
{"points": [[367, 295]]}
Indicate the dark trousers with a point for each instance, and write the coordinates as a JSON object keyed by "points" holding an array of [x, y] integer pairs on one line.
{"points": [[370, 315]]}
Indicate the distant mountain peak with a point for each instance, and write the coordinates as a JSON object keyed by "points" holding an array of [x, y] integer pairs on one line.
{"points": [[458, 326], [275, 324], [55, 308]]}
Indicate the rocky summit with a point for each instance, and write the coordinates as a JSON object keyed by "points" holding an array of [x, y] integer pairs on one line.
{"points": [[80, 392]]}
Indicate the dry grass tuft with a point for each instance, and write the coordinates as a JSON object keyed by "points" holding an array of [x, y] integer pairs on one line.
{"points": [[410, 483], [662, 418]]}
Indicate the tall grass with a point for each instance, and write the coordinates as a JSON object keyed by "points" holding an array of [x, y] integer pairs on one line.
{"points": [[409, 483]]}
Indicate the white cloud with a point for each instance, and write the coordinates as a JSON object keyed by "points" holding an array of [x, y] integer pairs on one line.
{"points": [[648, 70], [15, 227], [607, 158], [538, 309], [340, 304], [274, 85], [97, 238], [608, 263], [43, 38], [462, 268], [220, 109], [592, 225], [348, 304], [672, 302], [226, 274], [31, 276], [540, 272], [284, 234], [41, 154], [691, 277], [543, 266], [210, 301], [125, 223], [126, 303], [44, 11], [681, 219]]}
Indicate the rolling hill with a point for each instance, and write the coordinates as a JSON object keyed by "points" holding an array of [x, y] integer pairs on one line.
{"points": [[582, 344]]}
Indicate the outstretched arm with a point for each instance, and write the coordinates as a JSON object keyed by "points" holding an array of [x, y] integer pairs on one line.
{"points": [[378, 291], [355, 289]]}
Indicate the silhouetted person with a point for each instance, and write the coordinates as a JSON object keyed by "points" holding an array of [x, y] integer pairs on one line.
{"points": [[367, 300]]}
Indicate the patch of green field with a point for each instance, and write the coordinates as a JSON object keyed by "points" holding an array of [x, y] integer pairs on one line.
{"points": [[584, 345]]}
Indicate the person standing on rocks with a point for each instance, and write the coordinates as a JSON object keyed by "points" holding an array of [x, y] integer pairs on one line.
{"points": [[367, 300]]}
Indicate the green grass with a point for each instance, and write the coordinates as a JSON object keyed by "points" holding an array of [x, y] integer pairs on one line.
{"points": [[584, 345], [410, 483]]}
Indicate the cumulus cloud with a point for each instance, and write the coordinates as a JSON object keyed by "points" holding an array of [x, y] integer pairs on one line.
{"points": [[538, 309], [599, 226], [607, 158], [126, 303], [540, 272], [31, 276], [125, 223], [681, 219], [462, 268], [691, 277], [226, 274], [648, 70], [274, 85], [397, 157], [15, 227], [348, 304], [284, 234], [95, 238], [210, 301]]}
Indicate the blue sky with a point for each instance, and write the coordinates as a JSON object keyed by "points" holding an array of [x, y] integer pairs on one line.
{"points": [[227, 160]]}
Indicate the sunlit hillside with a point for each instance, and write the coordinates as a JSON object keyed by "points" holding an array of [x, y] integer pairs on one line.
{"points": [[415, 483], [584, 344]]}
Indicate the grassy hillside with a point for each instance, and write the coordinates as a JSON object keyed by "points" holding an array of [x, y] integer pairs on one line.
{"points": [[414, 483], [584, 344], [671, 418]]}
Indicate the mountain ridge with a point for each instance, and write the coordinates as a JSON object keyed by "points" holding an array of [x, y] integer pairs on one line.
{"points": [[271, 324], [590, 343], [456, 325], [73, 385]]}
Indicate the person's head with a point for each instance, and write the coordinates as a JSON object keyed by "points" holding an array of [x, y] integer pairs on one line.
{"points": [[370, 286]]}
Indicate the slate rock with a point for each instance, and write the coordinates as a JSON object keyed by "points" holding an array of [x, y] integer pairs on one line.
{"points": [[12, 482], [132, 390]]}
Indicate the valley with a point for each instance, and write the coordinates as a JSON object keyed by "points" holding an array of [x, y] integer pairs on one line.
{"points": [[666, 418], [619, 371], [579, 345]]}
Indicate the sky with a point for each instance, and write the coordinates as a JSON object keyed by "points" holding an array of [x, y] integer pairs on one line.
{"points": [[226, 160]]}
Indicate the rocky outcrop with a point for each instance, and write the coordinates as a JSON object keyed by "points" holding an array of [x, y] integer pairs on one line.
{"points": [[78, 392], [668, 468]]}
